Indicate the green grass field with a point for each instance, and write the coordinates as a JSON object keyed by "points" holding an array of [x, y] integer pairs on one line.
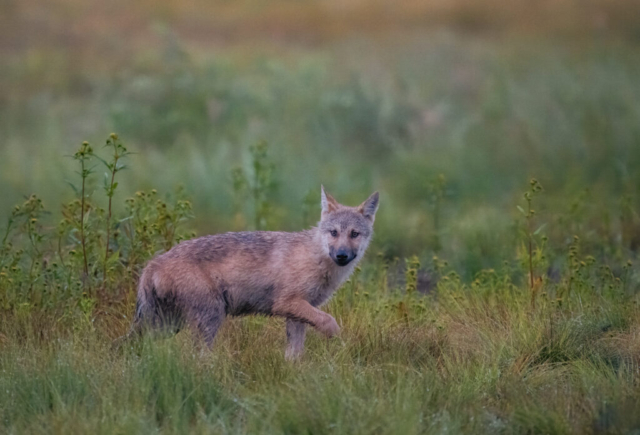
{"points": [[500, 294], [469, 360]]}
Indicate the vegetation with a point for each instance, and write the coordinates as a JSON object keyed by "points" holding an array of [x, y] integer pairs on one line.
{"points": [[501, 353], [500, 294]]}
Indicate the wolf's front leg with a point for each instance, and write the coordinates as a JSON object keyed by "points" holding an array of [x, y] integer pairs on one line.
{"points": [[296, 332], [301, 310]]}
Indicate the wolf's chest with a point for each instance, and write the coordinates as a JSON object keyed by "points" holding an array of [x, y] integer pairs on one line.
{"points": [[319, 295], [329, 283]]}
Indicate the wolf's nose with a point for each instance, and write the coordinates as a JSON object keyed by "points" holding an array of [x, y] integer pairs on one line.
{"points": [[342, 257]]}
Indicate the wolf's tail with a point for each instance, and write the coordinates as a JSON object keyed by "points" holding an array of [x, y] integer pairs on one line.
{"points": [[144, 311], [146, 302]]}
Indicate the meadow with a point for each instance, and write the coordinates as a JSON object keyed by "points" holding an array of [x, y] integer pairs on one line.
{"points": [[500, 294]]}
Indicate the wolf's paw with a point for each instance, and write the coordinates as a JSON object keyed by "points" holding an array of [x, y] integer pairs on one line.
{"points": [[293, 353], [329, 327]]}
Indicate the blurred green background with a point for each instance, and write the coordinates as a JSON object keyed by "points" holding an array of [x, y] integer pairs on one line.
{"points": [[448, 108]]}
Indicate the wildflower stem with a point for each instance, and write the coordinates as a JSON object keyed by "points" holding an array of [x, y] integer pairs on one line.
{"points": [[82, 239], [110, 192]]}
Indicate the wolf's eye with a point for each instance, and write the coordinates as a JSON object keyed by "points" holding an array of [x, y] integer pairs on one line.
{"points": [[334, 233], [354, 234]]}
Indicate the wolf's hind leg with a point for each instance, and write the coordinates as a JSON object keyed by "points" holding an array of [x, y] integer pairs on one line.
{"points": [[296, 332], [206, 317]]}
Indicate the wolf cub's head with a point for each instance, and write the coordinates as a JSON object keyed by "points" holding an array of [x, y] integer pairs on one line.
{"points": [[346, 231]]}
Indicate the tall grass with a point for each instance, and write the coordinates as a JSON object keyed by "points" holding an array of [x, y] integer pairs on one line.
{"points": [[358, 116], [465, 359], [466, 317], [448, 356]]}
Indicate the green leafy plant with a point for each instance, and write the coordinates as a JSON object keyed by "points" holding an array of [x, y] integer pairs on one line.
{"points": [[259, 184], [411, 275], [113, 166], [84, 156], [53, 267], [530, 233]]}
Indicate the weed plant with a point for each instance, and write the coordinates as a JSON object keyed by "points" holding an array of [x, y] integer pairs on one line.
{"points": [[461, 356]]}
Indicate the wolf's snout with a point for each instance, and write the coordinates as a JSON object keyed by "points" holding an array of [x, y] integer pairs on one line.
{"points": [[344, 257]]}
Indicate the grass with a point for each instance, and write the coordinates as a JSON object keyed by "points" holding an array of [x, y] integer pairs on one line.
{"points": [[479, 308], [472, 360], [493, 354], [357, 116]]}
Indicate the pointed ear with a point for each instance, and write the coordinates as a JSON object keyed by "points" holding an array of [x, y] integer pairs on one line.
{"points": [[327, 202], [370, 206]]}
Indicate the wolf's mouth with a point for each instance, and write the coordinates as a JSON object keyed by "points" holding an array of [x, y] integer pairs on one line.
{"points": [[343, 260]]}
